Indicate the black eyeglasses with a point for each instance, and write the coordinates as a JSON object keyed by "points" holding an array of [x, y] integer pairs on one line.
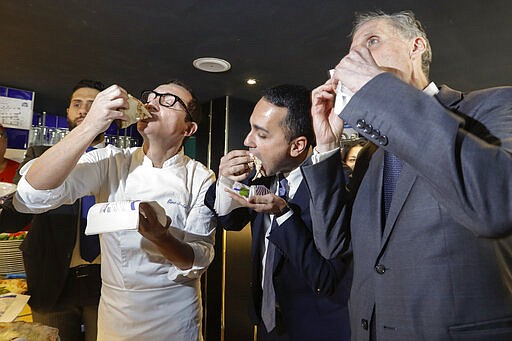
{"points": [[167, 100]]}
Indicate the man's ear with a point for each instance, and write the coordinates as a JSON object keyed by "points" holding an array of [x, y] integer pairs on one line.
{"points": [[191, 129], [419, 46], [298, 145]]}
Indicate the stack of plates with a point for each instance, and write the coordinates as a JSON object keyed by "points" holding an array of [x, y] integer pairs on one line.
{"points": [[11, 260], [7, 189]]}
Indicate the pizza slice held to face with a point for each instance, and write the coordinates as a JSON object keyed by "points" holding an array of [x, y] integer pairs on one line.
{"points": [[136, 111], [258, 165]]}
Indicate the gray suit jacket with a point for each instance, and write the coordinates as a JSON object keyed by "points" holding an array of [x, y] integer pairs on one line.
{"points": [[440, 266]]}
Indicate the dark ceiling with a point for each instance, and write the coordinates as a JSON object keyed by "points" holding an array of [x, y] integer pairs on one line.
{"points": [[46, 46]]}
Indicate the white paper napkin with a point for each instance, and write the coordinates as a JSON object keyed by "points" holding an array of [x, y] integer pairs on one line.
{"points": [[118, 216]]}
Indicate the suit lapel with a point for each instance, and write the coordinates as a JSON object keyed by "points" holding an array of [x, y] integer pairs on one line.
{"points": [[300, 200], [258, 235], [374, 178], [403, 189], [449, 98]]}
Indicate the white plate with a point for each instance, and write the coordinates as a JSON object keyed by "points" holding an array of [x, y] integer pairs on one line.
{"points": [[6, 189]]}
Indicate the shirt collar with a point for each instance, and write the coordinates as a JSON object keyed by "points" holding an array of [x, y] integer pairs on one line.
{"points": [[294, 179], [174, 160], [99, 145], [431, 89]]}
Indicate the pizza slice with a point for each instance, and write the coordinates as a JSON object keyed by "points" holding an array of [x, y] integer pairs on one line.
{"points": [[136, 111], [15, 285], [29, 331]]}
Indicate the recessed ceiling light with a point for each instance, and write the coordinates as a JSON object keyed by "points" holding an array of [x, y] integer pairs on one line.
{"points": [[211, 64], [251, 81]]}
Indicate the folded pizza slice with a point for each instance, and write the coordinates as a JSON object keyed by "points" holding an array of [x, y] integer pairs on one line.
{"points": [[136, 111]]}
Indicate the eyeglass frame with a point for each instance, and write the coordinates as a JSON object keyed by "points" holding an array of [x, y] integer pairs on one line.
{"points": [[160, 102]]}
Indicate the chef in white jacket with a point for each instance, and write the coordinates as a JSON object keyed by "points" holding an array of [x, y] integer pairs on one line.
{"points": [[151, 277]]}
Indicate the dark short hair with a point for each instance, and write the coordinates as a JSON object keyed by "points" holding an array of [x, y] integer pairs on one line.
{"points": [[297, 100], [193, 107], [87, 83]]}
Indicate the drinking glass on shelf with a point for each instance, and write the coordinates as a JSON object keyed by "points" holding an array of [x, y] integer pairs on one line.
{"points": [[49, 136], [134, 142], [35, 136], [108, 139], [126, 142], [61, 133]]}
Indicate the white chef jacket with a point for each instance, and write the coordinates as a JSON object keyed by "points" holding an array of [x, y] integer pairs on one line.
{"points": [[144, 296]]}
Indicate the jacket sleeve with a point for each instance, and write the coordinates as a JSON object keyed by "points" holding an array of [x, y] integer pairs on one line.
{"points": [[329, 205], [236, 220], [462, 146], [296, 242]]}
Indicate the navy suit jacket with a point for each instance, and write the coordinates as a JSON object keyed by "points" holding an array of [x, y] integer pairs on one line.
{"points": [[311, 291], [439, 267]]}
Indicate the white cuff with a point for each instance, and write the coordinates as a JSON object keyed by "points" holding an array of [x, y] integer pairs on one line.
{"points": [[318, 157], [223, 202]]}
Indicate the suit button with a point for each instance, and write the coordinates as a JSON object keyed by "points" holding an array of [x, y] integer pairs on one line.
{"points": [[368, 129], [361, 124], [380, 269], [364, 324], [375, 134], [383, 140]]}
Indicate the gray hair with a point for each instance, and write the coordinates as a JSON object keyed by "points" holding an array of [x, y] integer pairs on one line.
{"points": [[406, 24]]}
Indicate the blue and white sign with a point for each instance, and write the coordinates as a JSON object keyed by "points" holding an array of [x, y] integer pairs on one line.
{"points": [[16, 108]]}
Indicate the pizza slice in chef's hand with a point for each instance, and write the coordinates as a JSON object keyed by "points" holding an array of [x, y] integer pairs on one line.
{"points": [[136, 111]]}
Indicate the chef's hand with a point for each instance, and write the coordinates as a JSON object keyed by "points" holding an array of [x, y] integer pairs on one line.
{"points": [[106, 108], [178, 252], [327, 125], [149, 226], [235, 165], [268, 203]]}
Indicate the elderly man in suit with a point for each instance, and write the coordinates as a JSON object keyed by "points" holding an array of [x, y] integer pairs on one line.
{"points": [[63, 278], [297, 293], [432, 252]]}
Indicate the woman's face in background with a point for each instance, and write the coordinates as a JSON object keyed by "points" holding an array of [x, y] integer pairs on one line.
{"points": [[351, 157]]}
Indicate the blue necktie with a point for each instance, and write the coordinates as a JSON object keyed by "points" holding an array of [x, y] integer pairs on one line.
{"points": [[89, 245], [392, 169], [268, 304]]}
